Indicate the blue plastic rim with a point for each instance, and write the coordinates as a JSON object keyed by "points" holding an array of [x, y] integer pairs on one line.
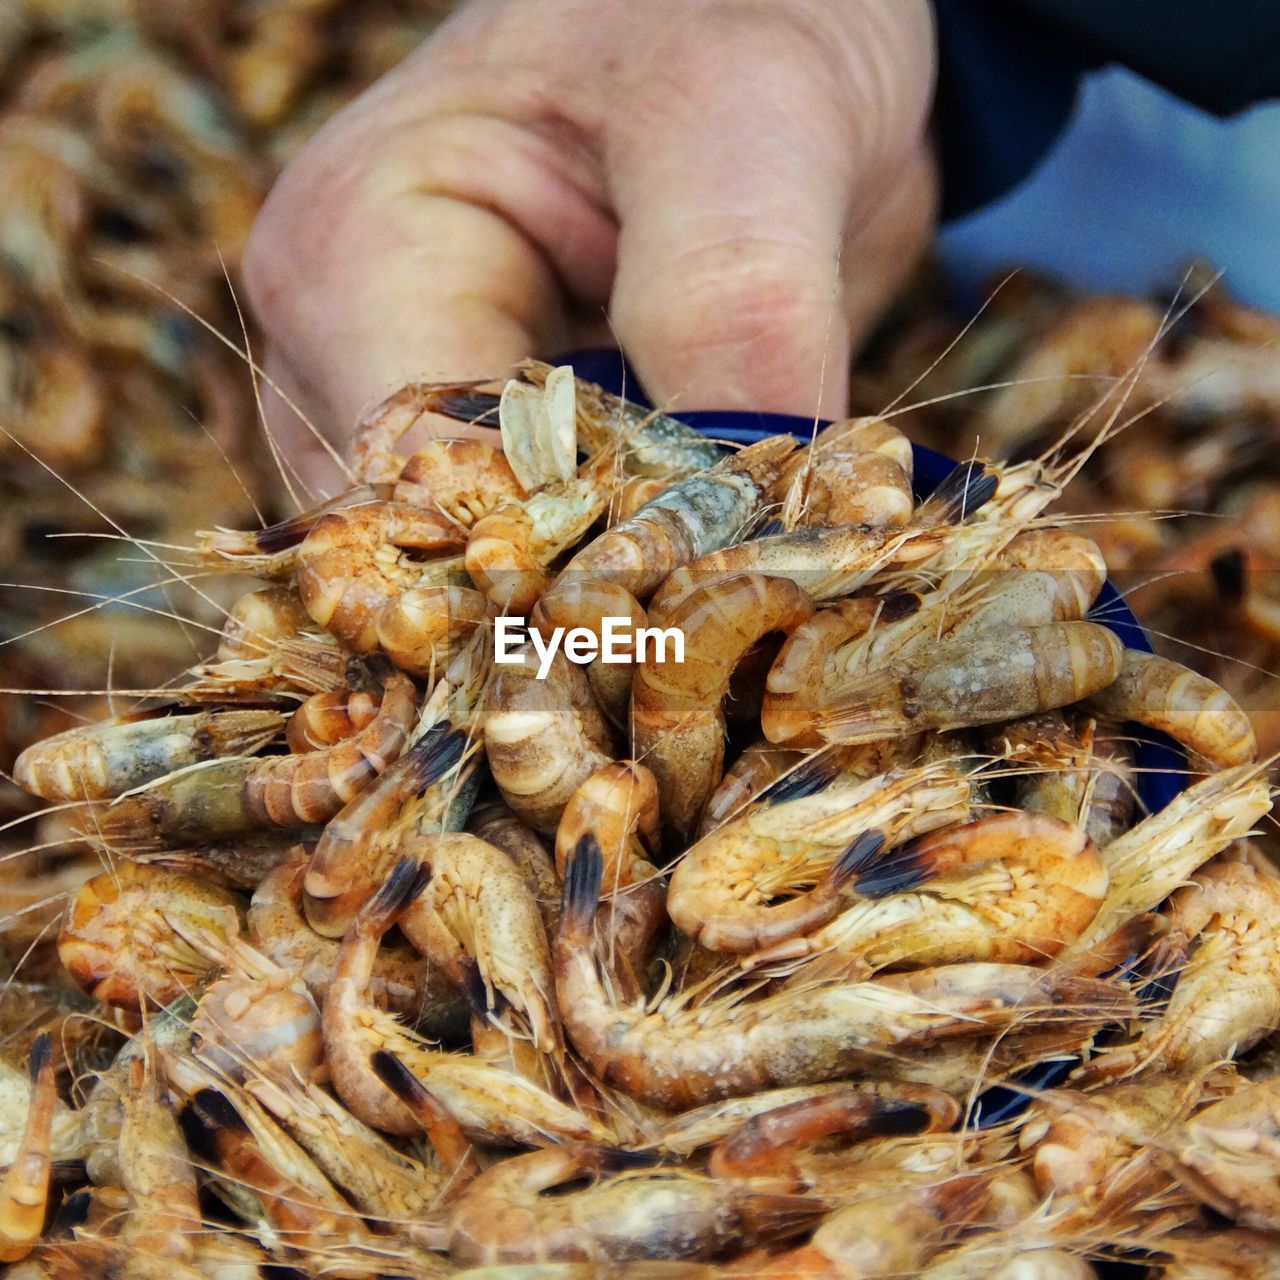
{"points": [[1160, 765]]}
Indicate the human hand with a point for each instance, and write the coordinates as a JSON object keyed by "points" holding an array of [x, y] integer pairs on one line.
{"points": [[741, 183]]}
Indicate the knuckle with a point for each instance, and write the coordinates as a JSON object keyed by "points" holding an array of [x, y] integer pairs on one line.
{"points": [[735, 294]]}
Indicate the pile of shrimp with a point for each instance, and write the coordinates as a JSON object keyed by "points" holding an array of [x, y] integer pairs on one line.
{"points": [[1185, 502], [137, 141], [861, 941]]}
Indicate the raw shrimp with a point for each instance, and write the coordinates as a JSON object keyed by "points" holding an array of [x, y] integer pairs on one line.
{"points": [[831, 562], [164, 1214], [381, 1181], [269, 645], [259, 620], [324, 719], [543, 737], [257, 1018], [993, 677], [856, 472], [1087, 1146], [741, 886], [1226, 1155], [24, 1191], [862, 636], [673, 1055], [420, 628], [1187, 706], [479, 921], [509, 550], [106, 759], [825, 562], [491, 1104], [464, 480], [271, 553], [1148, 862], [494, 822], [428, 789], [521, 1211], [890, 1229], [401, 981], [120, 941], [377, 431], [693, 516], [357, 560], [573, 603], [1079, 775], [1224, 950], [303, 1214], [759, 766], [794, 685], [617, 809], [1010, 887], [231, 797], [102, 1115], [763, 1146], [651, 443], [677, 724]]}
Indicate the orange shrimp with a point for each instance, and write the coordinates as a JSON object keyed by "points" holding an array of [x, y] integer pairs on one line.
{"points": [[464, 480], [118, 938], [24, 1192], [616, 811], [543, 737], [673, 1054], [1010, 887], [356, 560], [994, 676], [324, 719], [1182, 703], [587, 603], [232, 797], [676, 718], [691, 517], [856, 472]]}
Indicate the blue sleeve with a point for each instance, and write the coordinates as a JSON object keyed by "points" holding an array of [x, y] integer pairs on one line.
{"points": [[1009, 69]]}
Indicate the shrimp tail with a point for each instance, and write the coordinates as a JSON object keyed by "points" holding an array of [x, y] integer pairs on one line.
{"points": [[806, 779], [465, 405], [24, 1190], [583, 875], [73, 1212], [433, 755], [905, 869], [777, 1217], [961, 492], [211, 1121], [442, 1130], [480, 1000], [868, 708], [41, 1054], [407, 880], [862, 851]]}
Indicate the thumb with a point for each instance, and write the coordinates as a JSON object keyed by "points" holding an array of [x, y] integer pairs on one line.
{"points": [[736, 197]]}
